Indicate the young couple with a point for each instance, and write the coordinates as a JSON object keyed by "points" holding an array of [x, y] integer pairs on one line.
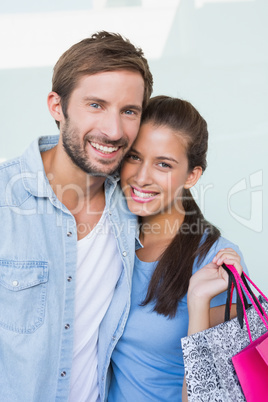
{"points": [[77, 322]]}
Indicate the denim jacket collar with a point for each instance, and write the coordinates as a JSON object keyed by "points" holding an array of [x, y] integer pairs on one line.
{"points": [[36, 182], [33, 173]]}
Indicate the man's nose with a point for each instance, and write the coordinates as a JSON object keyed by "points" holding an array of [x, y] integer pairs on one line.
{"points": [[111, 126]]}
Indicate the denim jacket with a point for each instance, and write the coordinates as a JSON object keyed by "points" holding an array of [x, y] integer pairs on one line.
{"points": [[38, 241]]}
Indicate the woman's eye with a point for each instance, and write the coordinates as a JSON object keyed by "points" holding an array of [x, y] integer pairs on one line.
{"points": [[164, 165], [133, 157]]}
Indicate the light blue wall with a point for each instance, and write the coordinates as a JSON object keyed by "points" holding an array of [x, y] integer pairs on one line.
{"points": [[213, 53]]}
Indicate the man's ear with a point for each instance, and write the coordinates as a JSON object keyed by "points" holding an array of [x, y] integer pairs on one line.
{"points": [[54, 106], [193, 177]]}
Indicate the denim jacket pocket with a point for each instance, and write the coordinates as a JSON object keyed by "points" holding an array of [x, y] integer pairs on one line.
{"points": [[23, 286]]}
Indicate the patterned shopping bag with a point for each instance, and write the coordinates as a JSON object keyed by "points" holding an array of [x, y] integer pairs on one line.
{"points": [[209, 370]]}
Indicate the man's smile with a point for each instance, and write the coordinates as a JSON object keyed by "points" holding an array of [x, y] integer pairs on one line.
{"points": [[104, 148]]}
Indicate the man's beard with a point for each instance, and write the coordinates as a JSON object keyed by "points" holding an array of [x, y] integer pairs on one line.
{"points": [[75, 149]]}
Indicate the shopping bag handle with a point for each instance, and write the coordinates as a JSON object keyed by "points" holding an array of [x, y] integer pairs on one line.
{"points": [[231, 286], [242, 289], [239, 307]]}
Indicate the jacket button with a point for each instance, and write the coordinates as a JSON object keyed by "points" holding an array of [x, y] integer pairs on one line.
{"points": [[63, 373], [67, 326], [124, 253], [69, 234]]}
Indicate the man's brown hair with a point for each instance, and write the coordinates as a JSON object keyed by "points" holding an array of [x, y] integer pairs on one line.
{"points": [[103, 51]]}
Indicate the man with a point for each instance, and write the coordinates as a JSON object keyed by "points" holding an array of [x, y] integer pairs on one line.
{"points": [[67, 239]]}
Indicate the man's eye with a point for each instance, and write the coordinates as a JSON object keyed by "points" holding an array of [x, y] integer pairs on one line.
{"points": [[95, 105], [129, 112]]}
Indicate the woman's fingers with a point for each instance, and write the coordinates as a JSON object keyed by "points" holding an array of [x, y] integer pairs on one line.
{"points": [[224, 254], [229, 257]]}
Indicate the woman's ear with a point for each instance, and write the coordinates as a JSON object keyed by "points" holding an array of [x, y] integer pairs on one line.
{"points": [[193, 177], [54, 106]]}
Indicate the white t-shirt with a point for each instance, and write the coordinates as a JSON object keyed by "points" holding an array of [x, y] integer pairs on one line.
{"points": [[98, 269]]}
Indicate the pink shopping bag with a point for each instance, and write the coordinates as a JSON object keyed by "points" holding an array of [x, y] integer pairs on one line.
{"points": [[251, 364]]}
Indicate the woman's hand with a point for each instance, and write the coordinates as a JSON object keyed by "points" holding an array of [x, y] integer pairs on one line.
{"points": [[212, 279], [207, 283]]}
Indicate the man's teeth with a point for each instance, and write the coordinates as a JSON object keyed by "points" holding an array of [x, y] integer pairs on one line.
{"points": [[143, 195], [106, 150]]}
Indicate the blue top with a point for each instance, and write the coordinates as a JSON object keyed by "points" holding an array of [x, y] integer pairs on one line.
{"points": [[147, 361], [37, 281]]}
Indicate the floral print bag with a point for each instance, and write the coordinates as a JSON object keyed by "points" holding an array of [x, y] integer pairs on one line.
{"points": [[209, 371]]}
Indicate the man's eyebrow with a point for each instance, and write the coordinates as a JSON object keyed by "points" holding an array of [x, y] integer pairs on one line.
{"points": [[135, 107], [93, 99]]}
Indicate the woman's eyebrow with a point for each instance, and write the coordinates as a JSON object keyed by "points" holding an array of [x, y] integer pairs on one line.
{"points": [[169, 158], [134, 150]]}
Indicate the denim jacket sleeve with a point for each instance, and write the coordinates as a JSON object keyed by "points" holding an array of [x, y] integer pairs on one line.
{"points": [[37, 271]]}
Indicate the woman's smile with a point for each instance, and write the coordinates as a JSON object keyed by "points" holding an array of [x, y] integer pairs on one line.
{"points": [[140, 195]]}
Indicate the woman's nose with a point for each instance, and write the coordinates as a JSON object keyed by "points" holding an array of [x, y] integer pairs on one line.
{"points": [[143, 175]]}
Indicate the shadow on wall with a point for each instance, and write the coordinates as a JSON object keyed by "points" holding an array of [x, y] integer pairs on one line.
{"points": [[123, 3], [30, 6], [211, 55]]}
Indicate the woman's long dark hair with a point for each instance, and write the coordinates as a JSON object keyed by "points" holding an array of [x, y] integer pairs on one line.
{"points": [[170, 280]]}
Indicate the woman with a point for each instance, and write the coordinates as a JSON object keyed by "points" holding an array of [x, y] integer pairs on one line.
{"points": [[166, 160]]}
